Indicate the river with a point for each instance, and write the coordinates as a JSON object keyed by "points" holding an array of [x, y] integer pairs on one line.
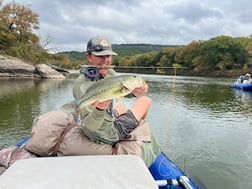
{"points": [[201, 123]]}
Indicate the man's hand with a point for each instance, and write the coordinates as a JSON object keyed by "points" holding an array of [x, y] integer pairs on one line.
{"points": [[140, 91], [102, 105]]}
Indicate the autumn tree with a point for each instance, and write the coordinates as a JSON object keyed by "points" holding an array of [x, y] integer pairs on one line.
{"points": [[169, 55], [222, 52], [21, 20]]}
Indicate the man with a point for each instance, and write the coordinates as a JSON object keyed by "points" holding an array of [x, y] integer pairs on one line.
{"points": [[102, 122], [97, 118], [247, 79]]}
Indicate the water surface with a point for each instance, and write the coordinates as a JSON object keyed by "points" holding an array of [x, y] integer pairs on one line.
{"points": [[202, 124]]}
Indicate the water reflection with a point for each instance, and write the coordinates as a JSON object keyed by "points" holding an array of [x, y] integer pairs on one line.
{"points": [[200, 121], [215, 95], [21, 100], [243, 96], [204, 122]]}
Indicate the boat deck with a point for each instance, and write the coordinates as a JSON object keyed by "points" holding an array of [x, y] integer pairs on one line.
{"points": [[78, 172]]}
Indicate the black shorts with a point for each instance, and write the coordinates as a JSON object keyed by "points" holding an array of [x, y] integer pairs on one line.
{"points": [[125, 123]]}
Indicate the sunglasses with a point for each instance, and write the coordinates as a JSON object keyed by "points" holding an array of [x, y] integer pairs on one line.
{"points": [[98, 48]]}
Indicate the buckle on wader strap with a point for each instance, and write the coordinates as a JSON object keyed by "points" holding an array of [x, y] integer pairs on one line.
{"points": [[62, 135], [114, 149]]}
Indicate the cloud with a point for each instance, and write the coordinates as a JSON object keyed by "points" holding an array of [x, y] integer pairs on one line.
{"points": [[175, 22]]}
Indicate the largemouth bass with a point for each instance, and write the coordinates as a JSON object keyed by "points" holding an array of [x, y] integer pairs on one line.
{"points": [[105, 89], [111, 88]]}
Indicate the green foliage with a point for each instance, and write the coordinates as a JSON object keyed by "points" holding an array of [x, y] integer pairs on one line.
{"points": [[7, 40], [20, 19], [220, 49], [220, 53], [17, 22], [133, 49], [74, 55], [31, 53]]}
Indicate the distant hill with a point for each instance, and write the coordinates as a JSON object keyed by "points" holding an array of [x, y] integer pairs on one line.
{"points": [[132, 49], [121, 50], [74, 55]]}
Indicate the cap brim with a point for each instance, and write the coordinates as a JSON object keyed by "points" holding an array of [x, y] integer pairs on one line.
{"points": [[103, 53]]}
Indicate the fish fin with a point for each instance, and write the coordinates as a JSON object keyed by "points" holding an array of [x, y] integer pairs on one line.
{"points": [[69, 107]]}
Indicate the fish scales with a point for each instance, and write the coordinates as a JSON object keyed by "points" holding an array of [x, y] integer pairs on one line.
{"points": [[110, 88]]}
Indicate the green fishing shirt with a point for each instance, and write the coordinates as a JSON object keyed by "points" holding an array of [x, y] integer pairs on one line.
{"points": [[98, 124]]}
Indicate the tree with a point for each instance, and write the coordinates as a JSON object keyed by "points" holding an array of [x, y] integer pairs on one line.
{"points": [[20, 19], [222, 52]]}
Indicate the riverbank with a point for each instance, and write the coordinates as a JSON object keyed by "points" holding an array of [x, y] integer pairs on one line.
{"points": [[12, 67], [183, 72]]}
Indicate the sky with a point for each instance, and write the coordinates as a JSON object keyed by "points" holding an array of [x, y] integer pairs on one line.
{"points": [[70, 24]]}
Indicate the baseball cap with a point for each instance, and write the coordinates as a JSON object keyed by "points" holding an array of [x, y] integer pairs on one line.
{"points": [[99, 46]]}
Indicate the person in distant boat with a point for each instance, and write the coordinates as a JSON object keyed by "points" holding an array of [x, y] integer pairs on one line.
{"points": [[100, 121], [241, 79], [247, 79]]}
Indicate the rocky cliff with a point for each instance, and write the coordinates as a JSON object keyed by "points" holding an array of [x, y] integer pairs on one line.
{"points": [[12, 67]]}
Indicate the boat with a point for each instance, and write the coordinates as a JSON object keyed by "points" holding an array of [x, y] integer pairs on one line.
{"points": [[241, 86], [106, 171]]}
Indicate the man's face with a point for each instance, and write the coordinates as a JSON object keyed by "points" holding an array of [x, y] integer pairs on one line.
{"points": [[100, 61]]}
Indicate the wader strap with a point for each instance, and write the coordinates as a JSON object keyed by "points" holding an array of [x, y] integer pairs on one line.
{"points": [[62, 135], [114, 149]]}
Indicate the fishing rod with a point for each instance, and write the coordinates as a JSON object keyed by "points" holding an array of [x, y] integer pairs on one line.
{"points": [[92, 71], [133, 67]]}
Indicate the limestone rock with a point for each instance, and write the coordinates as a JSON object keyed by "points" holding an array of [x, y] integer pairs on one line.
{"points": [[12, 67], [47, 72]]}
